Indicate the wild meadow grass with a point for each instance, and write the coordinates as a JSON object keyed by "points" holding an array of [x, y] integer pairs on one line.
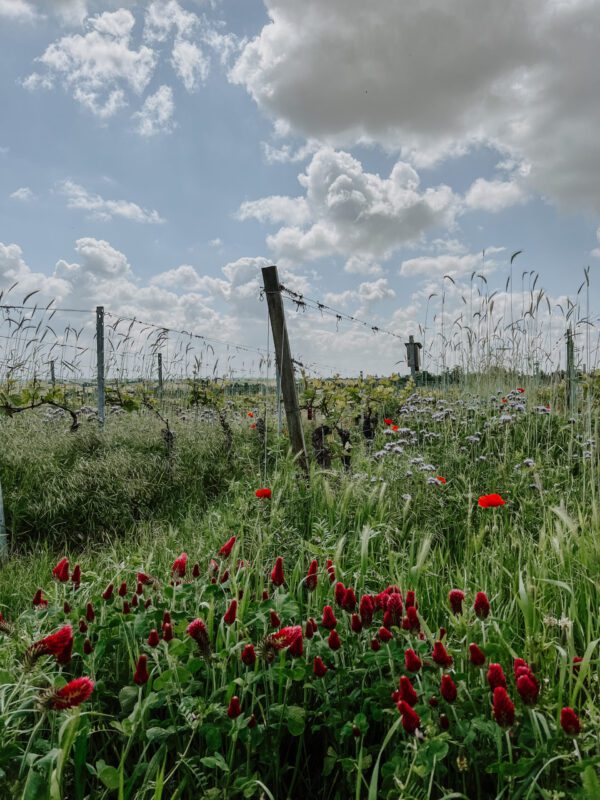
{"points": [[405, 515]]}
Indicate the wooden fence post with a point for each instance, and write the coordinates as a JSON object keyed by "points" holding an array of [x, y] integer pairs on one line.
{"points": [[160, 375], [3, 534], [52, 375], [571, 376], [100, 361], [284, 366]]}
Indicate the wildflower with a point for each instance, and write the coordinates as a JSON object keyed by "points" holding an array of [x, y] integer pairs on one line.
{"points": [[366, 609], [234, 709], [66, 608], [196, 570], [38, 600], [311, 575], [569, 721], [231, 613], [503, 707], [520, 390], [355, 623], [167, 632], [250, 414], [328, 619], [213, 566], [58, 644], [319, 668], [61, 570], [577, 663], [178, 567], [410, 719], [144, 579], [444, 722], [141, 676], [410, 600], [407, 691], [412, 662], [126, 607], [285, 637], [440, 655], [76, 576], [528, 688], [72, 694], [264, 494], [339, 593], [349, 600], [197, 631], [134, 601], [248, 655], [448, 689], [148, 603], [456, 597], [274, 619], [495, 676], [330, 570], [296, 646], [253, 426], [87, 647], [481, 606], [139, 589], [224, 577], [411, 620], [122, 589], [108, 592], [166, 616], [153, 638], [333, 640], [225, 551], [385, 635], [388, 421], [441, 480], [490, 501], [394, 609], [277, 576], [82, 626], [476, 655], [89, 613], [375, 645]]}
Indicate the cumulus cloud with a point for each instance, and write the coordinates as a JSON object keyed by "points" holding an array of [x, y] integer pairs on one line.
{"points": [[156, 114], [596, 251], [493, 195], [24, 194], [99, 65], [422, 84], [449, 263], [17, 10], [105, 210], [352, 213]]}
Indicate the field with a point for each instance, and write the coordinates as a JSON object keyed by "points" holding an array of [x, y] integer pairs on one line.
{"points": [[343, 649]]}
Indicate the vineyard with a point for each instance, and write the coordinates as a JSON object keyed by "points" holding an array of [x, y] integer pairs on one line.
{"points": [[219, 584]]}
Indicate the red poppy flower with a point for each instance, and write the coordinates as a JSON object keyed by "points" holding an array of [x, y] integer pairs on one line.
{"points": [[253, 426], [277, 576], [410, 719], [61, 570], [59, 645], [264, 493], [569, 722], [73, 694], [225, 551], [333, 640], [153, 639], [407, 692], [248, 655], [319, 668], [234, 709], [577, 663], [448, 689], [412, 662], [520, 390], [388, 421], [394, 428], [481, 605], [440, 655], [456, 597], [366, 609], [476, 655], [503, 707], [495, 676], [490, 501], [231, 613], [250, 414], [108, 592], [328, 619], [441, 479], [178, 567], [311, 575]]}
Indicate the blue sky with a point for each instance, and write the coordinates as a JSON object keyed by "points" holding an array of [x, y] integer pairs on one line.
{"points": [[153, 156]]}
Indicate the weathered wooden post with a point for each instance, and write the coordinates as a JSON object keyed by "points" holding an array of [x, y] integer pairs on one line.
{"points": [[284, 366], [571, 376], [100, 361], [160, 375], [3, 534], [413, 356], [52, 374]]}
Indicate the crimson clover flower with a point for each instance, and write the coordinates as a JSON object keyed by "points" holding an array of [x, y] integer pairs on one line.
{"points": [[72, 694]]}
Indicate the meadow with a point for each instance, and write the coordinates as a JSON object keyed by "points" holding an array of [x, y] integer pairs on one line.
{"points": [[200, 620]]}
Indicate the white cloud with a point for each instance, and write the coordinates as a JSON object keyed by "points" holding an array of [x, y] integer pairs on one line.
{"points": [[216, 242], [356, 265], [99, 65], [24, 194], [596, 251], [156, 114], [436, 266], [493, 195], [423, 85], [352, 213], [164, 18], [17, 10], [190, 64], [105, 210]]}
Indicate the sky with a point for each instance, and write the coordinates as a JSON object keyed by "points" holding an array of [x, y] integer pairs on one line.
{"points": [[388, 157]]}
